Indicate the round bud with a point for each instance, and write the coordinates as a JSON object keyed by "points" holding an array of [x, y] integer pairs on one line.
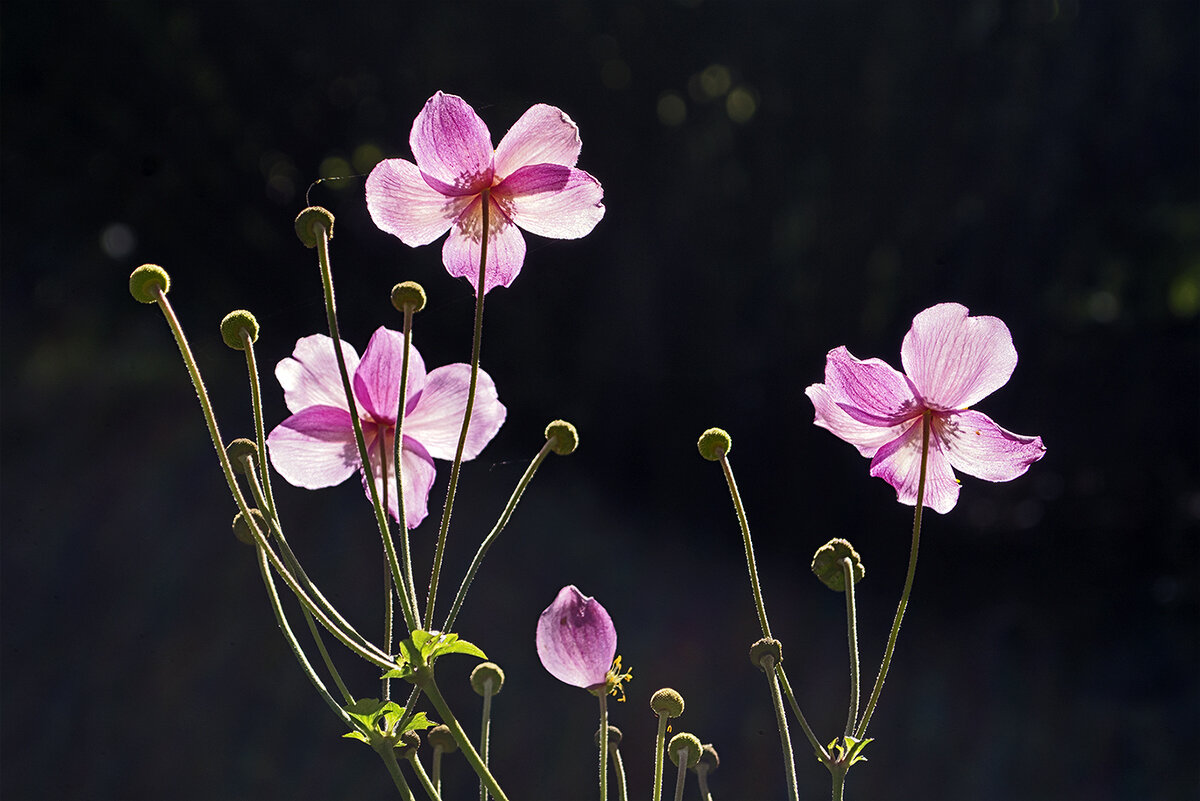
{"points": [[709, 761], [410, 294], [766, 647], [310, 224], [614, 736], [688, 743], [242, 531], [243, 453], [407, 747], [562, 436], [827, 564], [487, 678], [714, 444], [234, 324], [667, 702], [440, 737], [145, 282]]}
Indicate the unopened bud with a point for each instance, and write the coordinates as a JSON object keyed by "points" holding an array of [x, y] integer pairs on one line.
{"points": [[146, 281], [243, 454], [614, 736], [312, 223], [440, 737], [562, 436], [487, 678], [242, 530], [410, 741], [667, 702], [687, 744], [827, 564], [764, 649], [714, 444], [234, 324], [410, 295], [709, 761]]}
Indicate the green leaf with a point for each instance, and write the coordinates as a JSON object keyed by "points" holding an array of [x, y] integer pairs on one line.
{"points": [[419, 721], [451, 644]]}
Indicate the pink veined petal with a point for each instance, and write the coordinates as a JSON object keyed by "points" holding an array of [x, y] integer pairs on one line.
{"points": [[436, 418], [452, 146], [871, 391], [576, 639], [899, 464], [314, 448], [955, 360], [543, 135], [978, 447], [866, 437], [377, 380], [506, 248], [552, 201], [310, 376], [418, 475], [402, 203]]}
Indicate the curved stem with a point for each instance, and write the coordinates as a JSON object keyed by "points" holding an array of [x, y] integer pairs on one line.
{"points": [[476, 339], [818, 749], [423, 777], [427, 683], [785, 738], [603, 738], [852, 637], [744, 524], [388, 754], [619, 774], [908, 582]]}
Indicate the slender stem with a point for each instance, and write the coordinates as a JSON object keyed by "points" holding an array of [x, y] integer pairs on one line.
{"points": [[404, 579], [493, 535], [436, 769], [259, 430], [476, 339], [749, 546], [388, 754], [603, 738], [333, 671], [818, 749], [619, 774], [389, 610], [681, 774], [785, 738], [702, 778], [908, 581], [660, 744], [852, 637], [839, 784], [485, 733], [423, 777], [429, 685]]}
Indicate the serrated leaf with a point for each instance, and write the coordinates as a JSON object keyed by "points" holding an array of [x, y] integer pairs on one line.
{"points": [[419, 721], [451, 644], [357, 735]]}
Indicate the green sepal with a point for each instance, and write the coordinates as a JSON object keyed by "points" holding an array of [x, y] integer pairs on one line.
{"points": [[851, 752]]}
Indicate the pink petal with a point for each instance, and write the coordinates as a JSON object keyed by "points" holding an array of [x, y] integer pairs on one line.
{"points": [[377, 380], [403, 204], [552, 201], [870, 391], [314, 448], [506, 248], [899, 464], [452, 146], [866, 437], [978, 447], [955, 360], [543, 135], [576, 639], [436, 418], [310, 376], [417, 479]]}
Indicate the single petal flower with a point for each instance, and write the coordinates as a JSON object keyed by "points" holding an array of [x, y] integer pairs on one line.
{"points": [[315, 447], [951, 361], [531, 179], [576, 639]]}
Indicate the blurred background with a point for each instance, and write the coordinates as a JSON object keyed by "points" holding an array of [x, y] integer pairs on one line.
{"points": [[780, 178]]}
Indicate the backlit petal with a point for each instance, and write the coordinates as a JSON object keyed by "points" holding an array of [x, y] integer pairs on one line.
{"points": [[866, 437], [978, 447], [417, 477], [377, 380], [899, 464], [955, 360], [310, 376], [576, 639], [403, 204], [552, 201], [506, 248], [870, 390], [452, 146], [543, 135], [314, 448], [436, 418]]}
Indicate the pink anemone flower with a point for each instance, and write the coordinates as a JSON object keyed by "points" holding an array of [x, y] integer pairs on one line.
{"points": [[576, 639], [315, 447], [531, 178], [951, 361]]}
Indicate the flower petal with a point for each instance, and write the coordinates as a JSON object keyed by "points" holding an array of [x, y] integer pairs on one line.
{"points": [[377, 379], [314, 448], [552, 201], [955, 360], [435, 420], [867, 437], [506, 248], [899, 464], [310, 376], [870, 391], [543, 135], [576, 639], [403, 204], [452, 146], [978, 447], [417, 478]]}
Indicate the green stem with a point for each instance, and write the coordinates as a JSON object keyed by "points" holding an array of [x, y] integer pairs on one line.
{"points": [[749, 546], [259, 430], [389, 609], [680, 774], [839, 784], [462, 437], [485, 733], [852, 637], [603, 738], [660, 745], [388, 754], [818, 749], [908, 581], [429, 685], [785, 738], [436, 769], [404, 579], [493, 535], [423, 777], [619, 774], [702, 778]]}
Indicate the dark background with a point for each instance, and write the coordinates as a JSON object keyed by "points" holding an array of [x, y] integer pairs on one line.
{"points": [[838, 167]]}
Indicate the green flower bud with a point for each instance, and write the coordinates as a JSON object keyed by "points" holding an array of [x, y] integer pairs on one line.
{"points": [[614, 736], [667, 702], [709, 761], [145, 282], [827, 564], [766, 647], [688, 743], [311, 222], [239, 451], [562, 436], [440, 737], [408, 293], [714, 444], [487, 678], [410, 741], [234, 324], [242, 531]]}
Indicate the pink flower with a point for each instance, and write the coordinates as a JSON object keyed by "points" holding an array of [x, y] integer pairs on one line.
{"points": [[951, 361], [531, 175], [576, 639], [315, 447]]}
